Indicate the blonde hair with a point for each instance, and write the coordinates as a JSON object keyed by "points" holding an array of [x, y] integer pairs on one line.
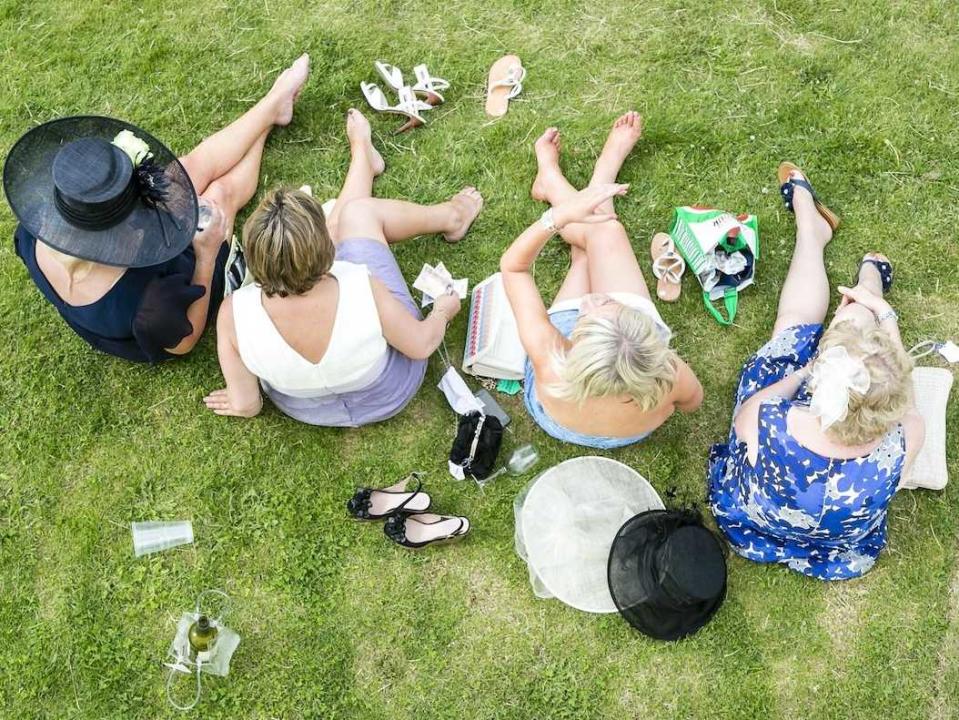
{"points": [[870, 415], [286, 243], [616, 354]]}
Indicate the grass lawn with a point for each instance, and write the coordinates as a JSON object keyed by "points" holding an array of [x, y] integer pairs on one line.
{"points": [[336, 621]]}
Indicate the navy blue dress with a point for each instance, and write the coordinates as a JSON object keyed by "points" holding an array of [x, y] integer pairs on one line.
{"points": [[142, 314]]}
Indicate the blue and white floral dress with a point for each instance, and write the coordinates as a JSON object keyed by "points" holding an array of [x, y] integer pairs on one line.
{"points": [[820, 516]]}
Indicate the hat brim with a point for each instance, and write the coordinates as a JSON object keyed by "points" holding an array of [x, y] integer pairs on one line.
{"points": [[634, 589], [147, 236]]}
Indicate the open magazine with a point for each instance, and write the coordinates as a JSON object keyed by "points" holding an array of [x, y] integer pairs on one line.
{"points": [[493, 348]]}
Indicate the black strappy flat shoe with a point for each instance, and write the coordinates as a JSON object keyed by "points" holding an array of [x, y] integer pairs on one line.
{"points": [[418, 531], [883, 266], [389, 500]]}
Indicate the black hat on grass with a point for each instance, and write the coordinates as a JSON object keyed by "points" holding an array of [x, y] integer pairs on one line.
{"points": [[667, 573], [101, 189]]}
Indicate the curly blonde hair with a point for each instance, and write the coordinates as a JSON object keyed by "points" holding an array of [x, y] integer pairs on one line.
{"points": [[889, 397], [616, 354]]}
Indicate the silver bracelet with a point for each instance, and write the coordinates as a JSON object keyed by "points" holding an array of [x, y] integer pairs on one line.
{"points": [[546, 220], [890, 314]]}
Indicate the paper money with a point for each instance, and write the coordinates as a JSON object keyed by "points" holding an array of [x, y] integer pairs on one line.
{"points": [[436, 281]]}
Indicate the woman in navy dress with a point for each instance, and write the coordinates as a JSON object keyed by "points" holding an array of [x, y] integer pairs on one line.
{"points": [[824, 427], [126, 241]]}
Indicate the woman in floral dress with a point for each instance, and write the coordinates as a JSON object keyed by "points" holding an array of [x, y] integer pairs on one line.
{"points": [[824, 426]]}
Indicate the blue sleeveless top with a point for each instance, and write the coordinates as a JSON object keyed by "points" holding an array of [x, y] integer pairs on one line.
{"points": [[821, 516], [142, 314]]}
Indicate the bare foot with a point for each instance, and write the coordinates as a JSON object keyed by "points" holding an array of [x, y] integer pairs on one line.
{"points": [[807, 216], [626, 132], [466, 205], [547, 161], [361, 140], [287, 88]]}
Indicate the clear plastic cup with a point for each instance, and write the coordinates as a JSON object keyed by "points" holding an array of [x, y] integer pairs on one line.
{"points": [[151, 537], [522, 459]]}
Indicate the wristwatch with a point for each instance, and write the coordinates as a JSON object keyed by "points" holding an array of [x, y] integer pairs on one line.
{"points": [[890, 314], [546, 220]]}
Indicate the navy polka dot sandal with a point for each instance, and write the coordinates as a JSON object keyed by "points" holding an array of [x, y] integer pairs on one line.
{"points": [[379, 503], [885, 271], [788, 186]]}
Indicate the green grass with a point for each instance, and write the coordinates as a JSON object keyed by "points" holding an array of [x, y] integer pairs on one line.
{"points": [[337, 622]]}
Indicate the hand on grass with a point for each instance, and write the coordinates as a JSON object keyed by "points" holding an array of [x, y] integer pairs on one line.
{"points": [[219, 402], [584, 206]]}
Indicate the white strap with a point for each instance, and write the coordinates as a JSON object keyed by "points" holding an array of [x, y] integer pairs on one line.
{"points": [[391, 74], [425, 81], [374, 96], [670, 265], [410, 105], [513, 79]]}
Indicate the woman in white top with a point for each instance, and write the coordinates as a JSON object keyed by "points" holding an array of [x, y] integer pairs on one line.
{"points": [[329, 329]]}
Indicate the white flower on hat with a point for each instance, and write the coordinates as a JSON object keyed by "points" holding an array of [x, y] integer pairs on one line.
{"points": [[133, 146]]}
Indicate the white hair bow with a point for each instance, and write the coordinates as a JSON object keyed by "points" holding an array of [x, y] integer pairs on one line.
{"points": [[833, 376]]}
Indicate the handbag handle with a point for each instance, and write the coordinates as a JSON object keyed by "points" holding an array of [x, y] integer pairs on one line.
{"points": [[731, 302]]}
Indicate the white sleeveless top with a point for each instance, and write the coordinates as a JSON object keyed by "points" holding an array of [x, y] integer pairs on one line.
{"points": [[357, 353]]}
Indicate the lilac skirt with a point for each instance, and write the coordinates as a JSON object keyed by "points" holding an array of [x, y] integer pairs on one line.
{"points": [[401, 377]]}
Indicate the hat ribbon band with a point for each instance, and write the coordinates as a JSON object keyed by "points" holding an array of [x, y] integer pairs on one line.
{"points": [[97, 219]]}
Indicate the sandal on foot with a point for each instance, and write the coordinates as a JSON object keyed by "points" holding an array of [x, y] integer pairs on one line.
{"points": [[668, 267], [505, 83], [788, 185], [883, 266], [418, 531], [379, 503]]}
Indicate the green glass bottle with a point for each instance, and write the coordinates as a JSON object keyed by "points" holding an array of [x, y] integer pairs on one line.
{"points": [[202, 634]]}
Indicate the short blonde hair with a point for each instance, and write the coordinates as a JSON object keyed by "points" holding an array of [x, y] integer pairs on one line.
{"points": [[286, 243], [616, 354], [890, 382]]}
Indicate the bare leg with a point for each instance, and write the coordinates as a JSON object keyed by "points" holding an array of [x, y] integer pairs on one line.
{"points": [[392, 221], [366, 164], [219, 153], [576, 282], [613, 266], [551, 186], [626, 132], [870, 279], [805, 294]]}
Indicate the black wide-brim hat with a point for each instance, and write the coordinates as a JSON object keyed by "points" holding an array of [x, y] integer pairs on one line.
{"points": [[667, 573], [82, 195]]}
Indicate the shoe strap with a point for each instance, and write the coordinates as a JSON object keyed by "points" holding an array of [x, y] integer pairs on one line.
{"points": [[885, 272], [425, 81], [410, 105], [513, 79], [788, 190], [671, 265], [395, 74]]}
